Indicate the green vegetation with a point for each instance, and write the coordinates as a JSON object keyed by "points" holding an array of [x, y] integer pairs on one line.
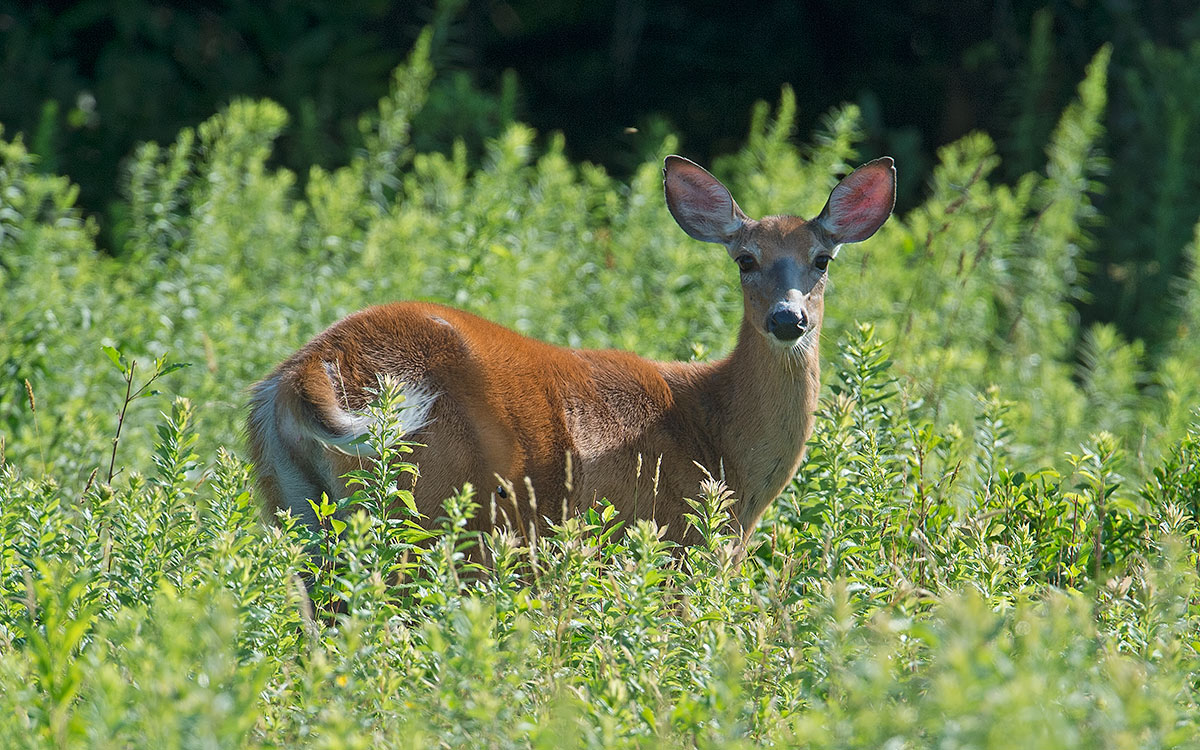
{"points": [[74, 78], [990, 545]]}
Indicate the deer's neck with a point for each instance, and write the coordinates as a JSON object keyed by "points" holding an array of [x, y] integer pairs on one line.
{"points": [[758, 405]]}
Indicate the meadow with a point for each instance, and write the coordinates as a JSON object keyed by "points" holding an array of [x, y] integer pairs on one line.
{"points": [[993, 542]]}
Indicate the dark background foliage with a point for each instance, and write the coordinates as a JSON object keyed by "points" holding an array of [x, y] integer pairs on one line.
{"points": [[86, 81]]}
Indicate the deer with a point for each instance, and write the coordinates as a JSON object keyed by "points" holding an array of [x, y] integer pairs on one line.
{"points": [[496, 409]]}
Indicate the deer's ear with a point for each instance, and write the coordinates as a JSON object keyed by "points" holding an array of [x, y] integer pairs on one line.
{"points": [[699, 202], [861, 202]]}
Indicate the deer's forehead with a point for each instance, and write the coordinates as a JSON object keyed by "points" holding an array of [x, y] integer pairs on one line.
{"points": [[783, 234]]}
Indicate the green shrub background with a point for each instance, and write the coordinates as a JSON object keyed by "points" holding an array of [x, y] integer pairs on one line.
{"points": [[993, 542]]}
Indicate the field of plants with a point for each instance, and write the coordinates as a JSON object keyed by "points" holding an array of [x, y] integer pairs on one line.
{"points": [[993, 542]]}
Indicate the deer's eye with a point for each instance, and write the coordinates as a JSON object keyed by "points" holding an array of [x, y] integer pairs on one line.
{"points": [[822, 262], [746, 262]]}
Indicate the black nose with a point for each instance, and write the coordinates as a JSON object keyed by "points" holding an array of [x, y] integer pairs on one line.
{"points": [[787, 325]]}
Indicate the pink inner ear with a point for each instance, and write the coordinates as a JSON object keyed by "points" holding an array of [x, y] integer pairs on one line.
{"points": [[699, 202], [862, 202], [697, 191]]}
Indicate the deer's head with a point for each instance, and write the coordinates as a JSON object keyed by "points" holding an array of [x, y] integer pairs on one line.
{"points": [[782, 259]]}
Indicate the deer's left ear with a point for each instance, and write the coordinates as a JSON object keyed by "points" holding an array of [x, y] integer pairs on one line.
{"points": [[701, 205], [861, 202]]}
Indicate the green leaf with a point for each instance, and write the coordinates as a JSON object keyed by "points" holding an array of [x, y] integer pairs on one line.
{"points": [[115, 356]]}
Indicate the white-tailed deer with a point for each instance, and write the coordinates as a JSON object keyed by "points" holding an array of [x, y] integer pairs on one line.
{"points": [[487, 402]]}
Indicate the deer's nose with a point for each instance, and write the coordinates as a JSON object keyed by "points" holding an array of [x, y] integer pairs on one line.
{"points": [[787, 324]]}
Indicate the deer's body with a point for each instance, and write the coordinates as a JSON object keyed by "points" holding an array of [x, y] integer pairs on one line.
{"points": [[487, 402]]}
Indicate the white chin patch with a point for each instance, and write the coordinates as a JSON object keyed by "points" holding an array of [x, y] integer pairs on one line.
{"points": [[804, 342]]}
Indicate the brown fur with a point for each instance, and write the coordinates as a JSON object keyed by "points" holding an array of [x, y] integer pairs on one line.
{"points": [[510, 406]]}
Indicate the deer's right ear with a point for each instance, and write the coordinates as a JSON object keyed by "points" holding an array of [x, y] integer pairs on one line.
{"points": [[861, 202], [700, 203]]}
